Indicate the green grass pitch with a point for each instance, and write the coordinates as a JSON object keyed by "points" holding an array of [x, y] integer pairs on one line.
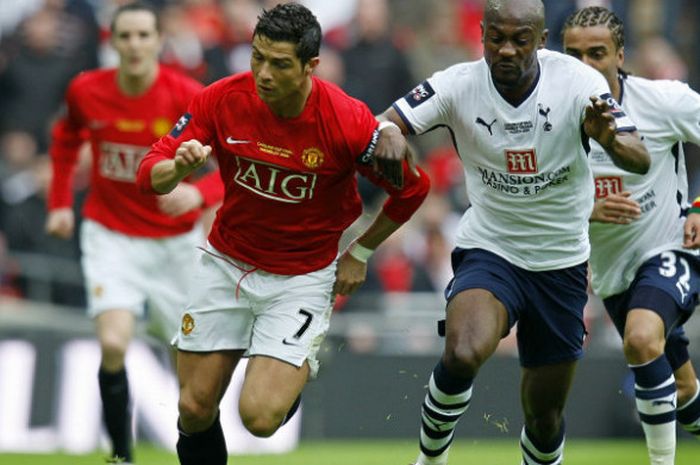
{"points": [[578, 452]]}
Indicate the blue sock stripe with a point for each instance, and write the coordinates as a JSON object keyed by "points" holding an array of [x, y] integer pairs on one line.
{"points": [[439, 416], [442, 406], [432, 434], [648, 394], [659, 419], [652, 374], [436, 452], [532, 458]]}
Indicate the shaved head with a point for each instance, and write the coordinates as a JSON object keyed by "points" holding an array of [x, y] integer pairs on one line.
{"points": [[525, 12]]}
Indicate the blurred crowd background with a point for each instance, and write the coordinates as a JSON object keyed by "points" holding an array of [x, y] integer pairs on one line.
{"points": [[376, 50]]}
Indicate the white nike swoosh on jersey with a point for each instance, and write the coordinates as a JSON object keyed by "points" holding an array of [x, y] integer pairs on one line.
{"points": [[231, 140]]}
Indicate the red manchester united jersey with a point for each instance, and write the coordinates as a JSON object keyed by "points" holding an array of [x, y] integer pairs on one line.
{"points": [[290, 185], [121, 129]]}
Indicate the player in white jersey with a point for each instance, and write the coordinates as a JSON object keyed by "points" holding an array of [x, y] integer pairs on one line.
{"points": [[521, 120], [642, 266]]}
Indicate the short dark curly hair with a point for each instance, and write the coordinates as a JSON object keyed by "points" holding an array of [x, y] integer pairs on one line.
{"points": [[292, 22], [598, 16]]}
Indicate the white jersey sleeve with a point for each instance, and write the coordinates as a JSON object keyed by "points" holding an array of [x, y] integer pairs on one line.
{"points": [[427, 104], [684, 113]]}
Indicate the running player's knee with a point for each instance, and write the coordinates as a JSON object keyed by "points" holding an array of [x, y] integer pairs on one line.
{"points": [[463, 359], [196, 411], [642, 346], [544, 426], [113, 349], [262, 424]]}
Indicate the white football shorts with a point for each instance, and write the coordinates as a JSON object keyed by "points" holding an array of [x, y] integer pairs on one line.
{"points": [[146, 276], [234, 306]]}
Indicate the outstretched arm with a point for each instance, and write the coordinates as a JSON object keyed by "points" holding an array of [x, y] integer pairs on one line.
{"points": [[625, 148]]}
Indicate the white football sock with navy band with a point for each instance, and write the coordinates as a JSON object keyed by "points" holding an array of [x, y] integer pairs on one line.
{"points": [[447, 399], [655, 392], [552, 454]]}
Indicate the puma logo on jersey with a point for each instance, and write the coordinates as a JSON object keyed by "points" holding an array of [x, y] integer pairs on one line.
{"points": [[485, 124], [274, 182]]}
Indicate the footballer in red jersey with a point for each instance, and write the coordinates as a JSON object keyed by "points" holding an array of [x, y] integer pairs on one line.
{"points": [[288, 146], [136, 247]]}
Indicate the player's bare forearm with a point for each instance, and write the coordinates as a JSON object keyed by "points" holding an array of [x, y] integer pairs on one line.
{"points": [[629, 152], [391, 148], [381, 228], [189, 156], [164, 176], [352, 265]]}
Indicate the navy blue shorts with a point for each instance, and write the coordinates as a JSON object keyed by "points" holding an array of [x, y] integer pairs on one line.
{"points": [[669, 285], [547, 305]]}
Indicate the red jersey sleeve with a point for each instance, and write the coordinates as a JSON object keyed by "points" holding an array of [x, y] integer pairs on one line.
{"points": [[194, 124], [67, 136], [402, 203]]}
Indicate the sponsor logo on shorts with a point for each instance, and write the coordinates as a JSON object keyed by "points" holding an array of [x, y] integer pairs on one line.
{"points": [[98, 291], [312, 157], [187, 324]]}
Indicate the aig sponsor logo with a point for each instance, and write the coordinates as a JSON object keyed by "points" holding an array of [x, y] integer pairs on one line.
{"points": [[521, 161], [607, 185], [274, 182], [119, 162]]}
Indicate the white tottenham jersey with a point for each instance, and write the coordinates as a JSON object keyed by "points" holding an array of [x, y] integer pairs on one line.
{"points": [[527, 172], [666, 114]]}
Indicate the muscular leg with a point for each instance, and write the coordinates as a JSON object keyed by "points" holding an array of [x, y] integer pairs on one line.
{"points": [[115, 328], [270, 389], [543, 395], [688, 411], [203, 378], [475, 323], [655, 388], [686, 383]]}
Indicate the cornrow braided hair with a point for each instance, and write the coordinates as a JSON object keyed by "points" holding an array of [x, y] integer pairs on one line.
{"points": [[598, 16]]}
